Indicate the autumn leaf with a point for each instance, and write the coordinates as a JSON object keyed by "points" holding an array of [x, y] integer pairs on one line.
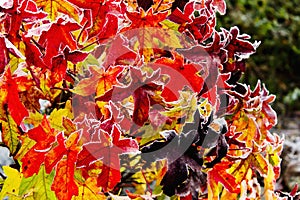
{"points": [[249, 129], [39, 185], [14, 105], [57, 115], [108, 79], [176, 68], [100, 82], [12, 183], [108, 150], [67, 150], [44, 135], [142, 19], [102, 20], [54, 44], [53, 7], [220, 5], [219, 175], [4, 54], [10, 133], [89, 190], [22, 11]]}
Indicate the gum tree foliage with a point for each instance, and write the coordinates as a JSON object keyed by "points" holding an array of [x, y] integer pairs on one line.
{"points": [[276, 23], [138, 99]]}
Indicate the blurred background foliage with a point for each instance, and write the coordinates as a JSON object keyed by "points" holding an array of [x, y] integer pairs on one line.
{"points": [[276, 24]]}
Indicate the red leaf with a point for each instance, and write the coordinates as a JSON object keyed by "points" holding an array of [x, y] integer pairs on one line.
{"points": [[54, 44], [55, 154], [189, 74], [141, 106], [102, 21], [24, 11], [4, 57], [44, 135], [144, 19], [220, 5], [219, 175], [100, 82], [107, 149], [64, 184], [15, 106]]}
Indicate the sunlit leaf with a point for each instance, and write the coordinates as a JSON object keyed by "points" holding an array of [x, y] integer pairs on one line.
{"points": [[12, 183]]}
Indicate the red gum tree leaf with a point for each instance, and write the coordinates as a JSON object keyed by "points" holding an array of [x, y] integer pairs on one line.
{"points": [[144, 92], [219, 175], [65, 156], [4, 56], [183, 17], [15, 106], [102, 19], [185, 72], [119, 53], [220, 5], [25, 11], [33, 54], [44, 136], [107, 149], [144, 19], [54, 44]]}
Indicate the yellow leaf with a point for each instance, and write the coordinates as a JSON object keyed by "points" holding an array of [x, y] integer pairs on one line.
{"points": [[52, 7], [27, 144], [12, 183], [89, 190], [56, 116], [10, 133]]}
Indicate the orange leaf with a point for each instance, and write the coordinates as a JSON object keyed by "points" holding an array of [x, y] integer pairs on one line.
{"points": [[219, 174], [64, 184]]}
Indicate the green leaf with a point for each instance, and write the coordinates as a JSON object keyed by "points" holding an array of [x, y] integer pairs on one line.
{"points": [[39, 185]]}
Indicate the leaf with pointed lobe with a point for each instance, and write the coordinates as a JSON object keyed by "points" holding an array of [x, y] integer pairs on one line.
{"points": [[22, 11], [11, 185], [52, 44], [176, 68], [108, 79], [39, 185], [107, 149], [64, 184], [44, 135], [57, 115], [10, 134], [4, 54], [89, 190], [142, 19], [100, 82], [53, 7], [15, 106], [103, 17], [220, 5], [218, 174]]}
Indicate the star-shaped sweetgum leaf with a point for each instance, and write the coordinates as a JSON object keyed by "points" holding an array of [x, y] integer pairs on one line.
{"points": [[107, 148], [64, 157], [44, 135], [62, 30]]}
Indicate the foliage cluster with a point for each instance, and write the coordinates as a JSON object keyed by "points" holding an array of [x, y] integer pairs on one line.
{"points": [[276, 23], [92, 107]]}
